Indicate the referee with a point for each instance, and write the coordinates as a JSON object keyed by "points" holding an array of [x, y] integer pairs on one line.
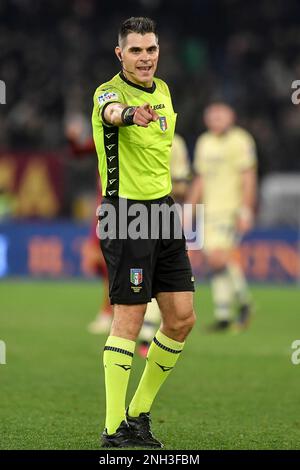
{"points": [[133, 127]]}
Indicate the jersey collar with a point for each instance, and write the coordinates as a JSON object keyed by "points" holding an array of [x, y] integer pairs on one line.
{"points": [[150, 89]]}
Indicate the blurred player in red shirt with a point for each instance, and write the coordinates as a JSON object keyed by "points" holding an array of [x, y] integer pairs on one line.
{"points": [[82, 145]]}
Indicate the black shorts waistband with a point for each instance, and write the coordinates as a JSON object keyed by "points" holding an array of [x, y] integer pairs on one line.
{"points": [[116, 199]]}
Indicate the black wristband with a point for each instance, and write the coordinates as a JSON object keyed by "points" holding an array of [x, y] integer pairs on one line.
{"points": [[128, 115]]}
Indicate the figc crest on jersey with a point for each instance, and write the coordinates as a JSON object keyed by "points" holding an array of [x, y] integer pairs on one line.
{"points": [[163, 123]]}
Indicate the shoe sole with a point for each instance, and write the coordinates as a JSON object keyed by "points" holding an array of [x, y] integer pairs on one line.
{"points": [[138, 445]]}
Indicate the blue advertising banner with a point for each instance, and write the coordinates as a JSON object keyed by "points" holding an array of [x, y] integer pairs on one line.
{"points": [[57, 249], [42, 249], [266, 255]]}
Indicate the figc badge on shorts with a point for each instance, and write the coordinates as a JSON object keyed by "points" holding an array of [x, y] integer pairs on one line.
{"points": [[136, 278]]}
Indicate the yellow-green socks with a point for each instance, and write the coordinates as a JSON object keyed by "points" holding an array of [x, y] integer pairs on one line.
{"points": [[117, 359], [162, 357]]}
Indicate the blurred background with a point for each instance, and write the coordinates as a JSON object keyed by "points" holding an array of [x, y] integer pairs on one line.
{"points": [[53, 55]]}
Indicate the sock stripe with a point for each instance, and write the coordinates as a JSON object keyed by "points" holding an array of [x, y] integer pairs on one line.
{"points": [[165, 348], [118, 350], [149, 323]]}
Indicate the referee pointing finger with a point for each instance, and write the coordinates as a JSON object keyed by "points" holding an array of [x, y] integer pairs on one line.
{"points": [[133, 127], [139, 115]]}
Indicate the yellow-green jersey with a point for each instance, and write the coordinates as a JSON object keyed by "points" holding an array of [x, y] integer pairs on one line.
{"points": [[134, 162], [220, 159]]}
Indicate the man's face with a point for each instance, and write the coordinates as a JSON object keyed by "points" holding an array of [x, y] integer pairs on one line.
{"points": [[218, 118], [140, 56]]}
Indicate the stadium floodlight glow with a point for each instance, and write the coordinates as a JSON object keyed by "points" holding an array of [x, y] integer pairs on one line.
{"points": [[2, 92]]}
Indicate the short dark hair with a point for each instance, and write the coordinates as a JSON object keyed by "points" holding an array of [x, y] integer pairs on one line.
{"points": [[137, 24]]}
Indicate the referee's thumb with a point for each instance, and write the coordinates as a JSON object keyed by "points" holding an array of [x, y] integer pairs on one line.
{"points": [[146, 107]]}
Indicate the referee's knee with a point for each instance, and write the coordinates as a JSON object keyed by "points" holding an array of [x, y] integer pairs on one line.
{"points": [[190, 321], [179, 327]]}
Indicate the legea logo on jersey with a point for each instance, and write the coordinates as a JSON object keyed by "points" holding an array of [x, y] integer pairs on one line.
{"points": [[2, 92], [158, 106], [2, 353]]}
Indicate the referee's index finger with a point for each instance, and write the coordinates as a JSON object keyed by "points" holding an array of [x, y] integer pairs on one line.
{"points": [[144, 112], [147, 107], [155, 116]]}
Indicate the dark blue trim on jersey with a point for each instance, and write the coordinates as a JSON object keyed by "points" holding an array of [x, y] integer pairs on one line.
{"points": [[150, 89]]}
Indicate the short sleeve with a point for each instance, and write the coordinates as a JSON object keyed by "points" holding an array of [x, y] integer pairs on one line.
{"points": [[180, 168], [247, 152], [105, 95], [198, 156]]}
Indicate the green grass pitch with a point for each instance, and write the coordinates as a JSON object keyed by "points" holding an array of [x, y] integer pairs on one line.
{"points": [[227, 391]]}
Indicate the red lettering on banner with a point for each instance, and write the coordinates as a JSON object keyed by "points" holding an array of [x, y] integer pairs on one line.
{"points": [[45, 256], [91, 258], [288, 258], [263, 260]]}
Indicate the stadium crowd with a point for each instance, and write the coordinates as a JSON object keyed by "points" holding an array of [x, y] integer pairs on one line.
{"points": [[54, 53]]}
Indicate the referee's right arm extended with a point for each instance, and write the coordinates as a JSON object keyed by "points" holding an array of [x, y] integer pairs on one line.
{"points": [[119, 114]]}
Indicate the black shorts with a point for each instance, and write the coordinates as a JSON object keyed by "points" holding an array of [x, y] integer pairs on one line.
{"points": [[140, 268]]}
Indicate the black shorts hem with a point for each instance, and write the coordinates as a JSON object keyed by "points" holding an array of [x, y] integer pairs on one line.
{"points": [[115, 300], [183, 289]]}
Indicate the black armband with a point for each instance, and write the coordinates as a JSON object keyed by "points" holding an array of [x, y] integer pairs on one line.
{"points": [[128, 115]]}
